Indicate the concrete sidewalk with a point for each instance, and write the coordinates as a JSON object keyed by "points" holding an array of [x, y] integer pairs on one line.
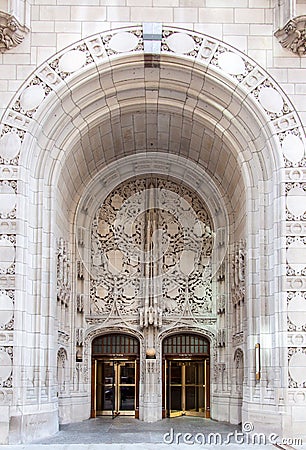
{"points": [[125, 433]]}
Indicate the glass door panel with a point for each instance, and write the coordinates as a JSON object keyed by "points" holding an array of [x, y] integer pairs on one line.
{"points": [[127, 378], [186, 388], [194, 388], [105, 383], [175, 387], [115, 387]]}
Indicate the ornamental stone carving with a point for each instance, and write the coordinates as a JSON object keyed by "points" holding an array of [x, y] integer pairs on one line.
{"points": [[11, 32], [293, 35], [151, 249], [238, 272], [63, 273]]}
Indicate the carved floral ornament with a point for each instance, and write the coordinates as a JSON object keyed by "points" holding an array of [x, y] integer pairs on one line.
{"points": [[11, 32], [143, 257], [293, 35]]}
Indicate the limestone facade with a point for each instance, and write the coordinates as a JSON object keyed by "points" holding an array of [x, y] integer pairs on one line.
{"points": [[152, 185]]}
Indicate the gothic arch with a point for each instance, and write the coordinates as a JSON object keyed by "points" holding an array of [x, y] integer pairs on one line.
{"points": [[83, 109], [98, 330]]}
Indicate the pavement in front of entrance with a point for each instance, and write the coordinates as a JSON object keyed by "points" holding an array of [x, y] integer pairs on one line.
{"points": [[125, 433]]}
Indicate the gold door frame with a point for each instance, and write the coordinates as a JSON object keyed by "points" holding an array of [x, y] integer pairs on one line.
{"points": [[201, 389], [115, 386]]}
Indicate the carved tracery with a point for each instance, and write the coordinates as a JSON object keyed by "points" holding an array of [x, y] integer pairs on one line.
{"points": [[151, 249]]}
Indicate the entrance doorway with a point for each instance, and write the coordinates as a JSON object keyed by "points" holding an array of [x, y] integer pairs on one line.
{"points": [[115, 374], [186, 376]]}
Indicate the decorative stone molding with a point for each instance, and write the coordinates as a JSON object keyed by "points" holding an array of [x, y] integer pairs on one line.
{"points": [[238, 338], [221, 338], [63, 338], [63, 272], [238, 272], [80, 303], [11, 32], [293, 35], [183, 283]]}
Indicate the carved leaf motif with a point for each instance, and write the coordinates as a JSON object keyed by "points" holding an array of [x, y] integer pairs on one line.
{"points": [[151, 239]]}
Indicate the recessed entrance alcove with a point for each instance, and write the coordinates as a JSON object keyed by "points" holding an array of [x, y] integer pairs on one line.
{"points": [[149, 187]]}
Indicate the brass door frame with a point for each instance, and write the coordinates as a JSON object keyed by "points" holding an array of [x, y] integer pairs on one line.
{"points": [[205, 386], [115, 386]]}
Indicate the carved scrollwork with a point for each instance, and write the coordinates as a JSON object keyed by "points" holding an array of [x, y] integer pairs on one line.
{"points": [[293, 35], [150, 254], [11, 32]]}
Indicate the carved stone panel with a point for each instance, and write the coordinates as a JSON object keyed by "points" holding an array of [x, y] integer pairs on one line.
{"points": [[151, 249], [11, 32], [238, 272], [63, 273], [293, 35]]}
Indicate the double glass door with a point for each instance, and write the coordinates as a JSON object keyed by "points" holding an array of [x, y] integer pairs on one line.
{"points": [[115, 387], [186, 389]]}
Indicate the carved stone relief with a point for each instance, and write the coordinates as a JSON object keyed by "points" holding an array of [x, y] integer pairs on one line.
{"points": [[221, 338], [63, 273], [293, 35], [8, 199], [238, 272], [239, 368], [11, 32], [80, 303], [297, 364], [61, 370], [6, 367], [7, 251], [151, 247], [296, 319], [6, 310]]}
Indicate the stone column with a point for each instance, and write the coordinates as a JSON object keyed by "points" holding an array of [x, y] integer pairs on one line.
{"points": [[152, 400]]}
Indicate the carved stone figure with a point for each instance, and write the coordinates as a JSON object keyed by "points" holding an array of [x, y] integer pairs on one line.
{"points": [[11, 32], [293, 35]]}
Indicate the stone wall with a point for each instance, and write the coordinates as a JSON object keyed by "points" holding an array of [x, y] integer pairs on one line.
{"points": [[248, 25]]}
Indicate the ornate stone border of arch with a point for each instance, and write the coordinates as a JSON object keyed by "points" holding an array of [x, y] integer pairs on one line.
{"points": [[195, 329], [99, 330], [26, 117], [160, 164]]}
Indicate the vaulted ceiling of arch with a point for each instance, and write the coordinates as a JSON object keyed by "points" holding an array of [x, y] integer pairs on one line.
{"points": [[164, 109]]}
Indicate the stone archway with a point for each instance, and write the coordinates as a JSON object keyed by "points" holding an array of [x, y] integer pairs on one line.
{"points": [[104, 99]]}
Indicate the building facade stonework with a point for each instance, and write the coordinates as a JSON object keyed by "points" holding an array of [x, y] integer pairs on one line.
{"points": [[152, 218]]}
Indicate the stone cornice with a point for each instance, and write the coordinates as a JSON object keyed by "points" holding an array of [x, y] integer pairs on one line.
{"points": [[11, 32], [293, 35]]}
